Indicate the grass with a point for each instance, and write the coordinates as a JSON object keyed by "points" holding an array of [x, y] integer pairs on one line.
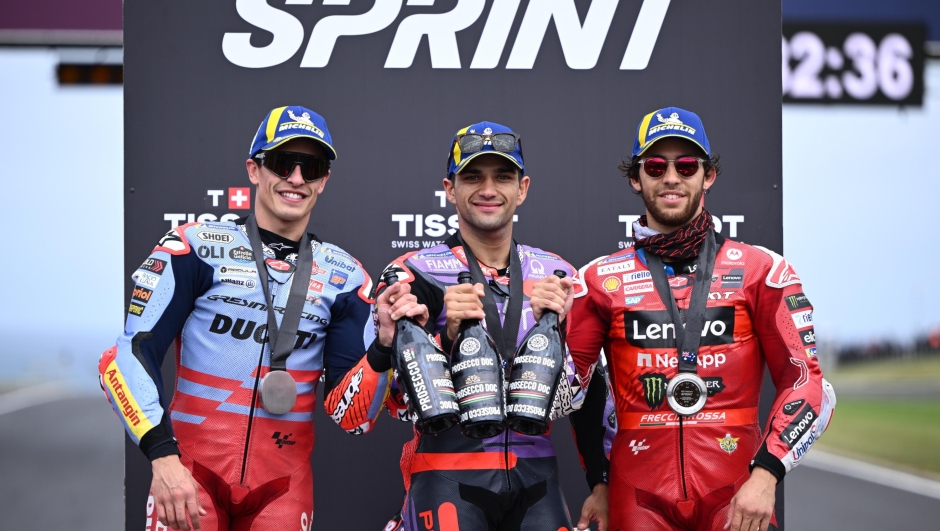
{"points": [[902, 432], [913, 370]]}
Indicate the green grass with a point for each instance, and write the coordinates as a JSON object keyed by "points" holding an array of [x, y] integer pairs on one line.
{"points": [[926, 369], [903, 432]]}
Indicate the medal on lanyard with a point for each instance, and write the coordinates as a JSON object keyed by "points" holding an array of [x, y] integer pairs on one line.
{"points": [[687, 393], [278, 388]]}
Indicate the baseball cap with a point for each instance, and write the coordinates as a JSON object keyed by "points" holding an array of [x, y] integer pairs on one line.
{"points": [[287, 123], [456, 160], [670, 122]]}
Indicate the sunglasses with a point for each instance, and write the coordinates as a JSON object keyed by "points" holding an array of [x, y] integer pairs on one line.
{"points": [[685, 166], [282, 164], [473, 143]]}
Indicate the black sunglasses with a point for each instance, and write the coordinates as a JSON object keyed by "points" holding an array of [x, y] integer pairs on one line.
{"points": [[473, 143], [282, 164]]}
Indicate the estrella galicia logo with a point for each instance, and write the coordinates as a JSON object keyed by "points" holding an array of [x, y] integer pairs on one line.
{"points": [[654, 388], [282, 441], [797, 301], [241, 254]]}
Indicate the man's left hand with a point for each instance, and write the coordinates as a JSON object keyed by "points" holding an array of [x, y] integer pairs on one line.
{"points": [[753, 505], [552, 293], [392, 304]]}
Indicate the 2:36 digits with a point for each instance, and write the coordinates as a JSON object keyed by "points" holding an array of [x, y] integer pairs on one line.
{"points": [[859, 69]]}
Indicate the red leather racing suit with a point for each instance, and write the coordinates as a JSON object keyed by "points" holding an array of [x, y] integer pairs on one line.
{"points": [[669, 472]]}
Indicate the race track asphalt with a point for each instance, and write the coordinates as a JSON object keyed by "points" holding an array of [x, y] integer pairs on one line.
{"points": [[61, 465]]}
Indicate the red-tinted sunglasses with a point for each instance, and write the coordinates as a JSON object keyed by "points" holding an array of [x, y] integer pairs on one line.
{"points": [[685, 166]]}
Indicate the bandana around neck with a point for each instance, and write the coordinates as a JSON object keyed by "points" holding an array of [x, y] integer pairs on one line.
{"points": [[679, 245]]}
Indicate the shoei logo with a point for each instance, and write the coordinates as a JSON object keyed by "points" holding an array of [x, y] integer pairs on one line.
{"points": [[581, 43]]}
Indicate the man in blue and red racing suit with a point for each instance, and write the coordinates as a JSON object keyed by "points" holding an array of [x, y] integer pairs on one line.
{"points": [[714, 469], [220, 460], [510, 481]]}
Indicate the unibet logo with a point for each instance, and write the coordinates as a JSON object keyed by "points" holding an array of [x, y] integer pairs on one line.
{"points": [[581, 44], [654, 388]]}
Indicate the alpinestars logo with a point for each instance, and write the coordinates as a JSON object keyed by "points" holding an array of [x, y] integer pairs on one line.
{"points": [[282, 441], [580, 43], [654, 389]]}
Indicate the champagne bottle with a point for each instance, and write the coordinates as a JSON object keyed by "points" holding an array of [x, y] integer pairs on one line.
{"points": [[424, 374], [537, 366], [478, 377]]}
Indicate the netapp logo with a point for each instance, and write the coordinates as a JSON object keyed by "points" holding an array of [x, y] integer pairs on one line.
{"points": [[655, 329], [581, 43]]}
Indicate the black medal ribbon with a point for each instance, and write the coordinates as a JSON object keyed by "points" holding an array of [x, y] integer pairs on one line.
{"points": [[506, 332], [281, 340], [688, 335]]}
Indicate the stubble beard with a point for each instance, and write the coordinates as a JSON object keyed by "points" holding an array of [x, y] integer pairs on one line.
{"points": [[672, 218]]}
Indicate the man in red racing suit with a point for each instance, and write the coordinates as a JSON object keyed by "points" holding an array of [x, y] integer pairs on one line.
{"points": [[715, 468]]}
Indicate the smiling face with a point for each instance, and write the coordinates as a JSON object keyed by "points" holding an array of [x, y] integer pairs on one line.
{"points": [[672, 200], [486, 193], [283, 205]]}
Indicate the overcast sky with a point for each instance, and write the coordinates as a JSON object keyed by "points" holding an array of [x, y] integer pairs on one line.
{"points": [[860, 209]]}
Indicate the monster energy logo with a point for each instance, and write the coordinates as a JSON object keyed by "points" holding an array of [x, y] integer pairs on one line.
{"points": [[654, 389]]}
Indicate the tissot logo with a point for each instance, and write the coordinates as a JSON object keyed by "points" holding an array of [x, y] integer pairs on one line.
{"points": [[580, 43], [656, 330]]}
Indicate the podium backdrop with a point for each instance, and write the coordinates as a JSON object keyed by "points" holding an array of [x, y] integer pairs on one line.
{"points": [[395, 79]]}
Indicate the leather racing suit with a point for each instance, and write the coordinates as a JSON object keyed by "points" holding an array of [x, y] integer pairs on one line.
{"points": [[200, 287], [669, 472], [506, 482]]}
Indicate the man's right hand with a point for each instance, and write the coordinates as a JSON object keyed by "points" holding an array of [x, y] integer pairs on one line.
{"points": [[175, 494], [463, 301], [392, 304]]}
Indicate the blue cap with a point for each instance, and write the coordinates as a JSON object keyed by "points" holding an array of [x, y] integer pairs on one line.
{"points": [[456, 161], [670, 122], [287, 123]]}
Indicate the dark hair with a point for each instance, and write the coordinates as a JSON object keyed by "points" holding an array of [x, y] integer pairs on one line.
{"points": [[631, 169]]}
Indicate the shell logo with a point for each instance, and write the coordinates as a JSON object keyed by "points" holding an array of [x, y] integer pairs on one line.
{"points": [[611, 284]]}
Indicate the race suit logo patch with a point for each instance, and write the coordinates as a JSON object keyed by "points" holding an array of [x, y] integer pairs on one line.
{"points": [[728, 443], [136, 309], [790, 407], [654, 389], [655, 329], [801, 423], [714, 384], [338, 279], [638, 447], [142, 294], [241, 254], [796, 302], [154, 265], [282, 441]]}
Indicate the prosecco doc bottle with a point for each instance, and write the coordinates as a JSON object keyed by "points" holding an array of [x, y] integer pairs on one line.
{"points": [[536, 370], [424, 374], [478, 378]]}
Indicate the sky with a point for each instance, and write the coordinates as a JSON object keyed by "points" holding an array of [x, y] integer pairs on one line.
{"points": [[860, 211]]}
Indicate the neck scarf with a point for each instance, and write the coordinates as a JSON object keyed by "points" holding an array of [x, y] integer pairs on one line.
{"points": [[681, 244]]}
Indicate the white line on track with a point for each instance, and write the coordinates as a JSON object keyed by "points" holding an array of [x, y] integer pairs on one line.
{"points": [[888, 477], [34, 395]]}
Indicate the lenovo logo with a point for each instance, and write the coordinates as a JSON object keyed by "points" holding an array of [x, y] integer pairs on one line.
{"points": [[655, 329], [580, 42]]}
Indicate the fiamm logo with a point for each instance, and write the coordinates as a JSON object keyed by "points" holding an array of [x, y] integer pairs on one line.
{"points": [[581, 43]]}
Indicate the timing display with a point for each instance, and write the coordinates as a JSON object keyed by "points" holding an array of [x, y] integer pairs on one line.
{"points": [[853, 63]]}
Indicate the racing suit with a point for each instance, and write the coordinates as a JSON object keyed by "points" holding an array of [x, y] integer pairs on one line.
{"points": [[506, 482], [669, 472], [200, 286]]}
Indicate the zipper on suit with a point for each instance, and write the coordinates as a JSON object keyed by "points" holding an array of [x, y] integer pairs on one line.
{"points": [[254, 391]]}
